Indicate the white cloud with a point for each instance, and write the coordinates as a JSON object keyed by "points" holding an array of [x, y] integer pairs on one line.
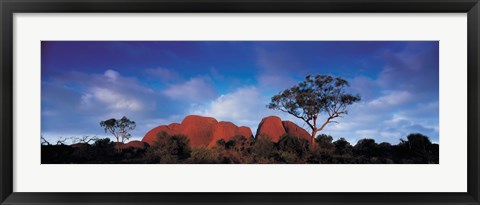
{"points": [[392, 99], [196, 89], [116, 93], [367, 133], [245, 106], [112, 75], [236, 105], [391, 134], [398, 120], [163, 74], [116, 100]]}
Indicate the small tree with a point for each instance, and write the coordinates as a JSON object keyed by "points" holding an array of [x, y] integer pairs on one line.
{"points": [[62, 140], [85, 139], [314, 96], [119, 128], [44, 141]]}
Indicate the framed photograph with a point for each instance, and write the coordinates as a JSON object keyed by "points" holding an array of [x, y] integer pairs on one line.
{"points": [[240, 102]]}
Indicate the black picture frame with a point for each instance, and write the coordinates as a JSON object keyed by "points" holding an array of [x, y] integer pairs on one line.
{"points": [[10, 7]]}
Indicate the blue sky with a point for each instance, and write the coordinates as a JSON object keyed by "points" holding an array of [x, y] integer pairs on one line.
{"points": [[160, 82]]}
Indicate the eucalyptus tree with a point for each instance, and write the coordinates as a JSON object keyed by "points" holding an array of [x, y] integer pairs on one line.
{"points": [[316, 95], [119, 128]]}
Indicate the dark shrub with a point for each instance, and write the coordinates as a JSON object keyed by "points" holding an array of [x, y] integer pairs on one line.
{"points": [[169, 149], [292, 149], [203, 155], [342, 147], [263, 150]]}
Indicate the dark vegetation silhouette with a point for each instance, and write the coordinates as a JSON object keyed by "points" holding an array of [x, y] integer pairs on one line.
{"points": [[176, 149]]}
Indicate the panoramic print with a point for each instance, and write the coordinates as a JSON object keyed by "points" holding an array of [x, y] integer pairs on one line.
{"points": [[239, 102]]}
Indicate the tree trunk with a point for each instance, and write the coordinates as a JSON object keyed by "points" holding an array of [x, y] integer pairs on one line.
{"points": [[314, 132]]}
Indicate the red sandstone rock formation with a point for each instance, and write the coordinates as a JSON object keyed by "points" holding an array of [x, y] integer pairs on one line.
{"points": [[171, 129], [198, 129], [274, 127], [295, 130], [201, 131], [245, 131], [270, 126], [227, 131], [224, 130], [206, 131]]}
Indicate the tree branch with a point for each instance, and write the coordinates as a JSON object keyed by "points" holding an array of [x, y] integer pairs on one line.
{"points": [[328, 111], [299, 117], [324, 124]]}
